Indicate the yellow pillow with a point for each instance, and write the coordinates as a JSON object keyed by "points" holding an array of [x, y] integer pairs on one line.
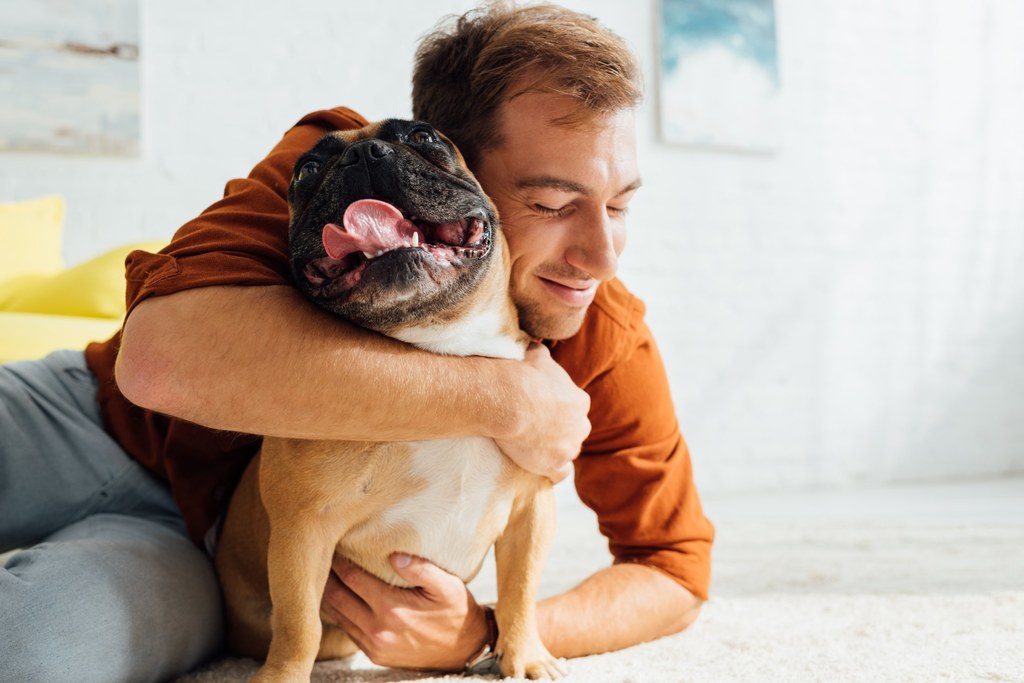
{"points": [[30, 233], [94, 289], [30, 335], [13, 288]]}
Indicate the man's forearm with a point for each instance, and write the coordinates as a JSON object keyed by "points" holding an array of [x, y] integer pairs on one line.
{"points": [[262, 360], [617, 607]]}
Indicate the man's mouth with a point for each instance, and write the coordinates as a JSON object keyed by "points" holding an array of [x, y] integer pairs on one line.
{"points": [[573, 293], [372, 229]]}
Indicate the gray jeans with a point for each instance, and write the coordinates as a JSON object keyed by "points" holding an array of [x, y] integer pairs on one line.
{"points": [[108, 587]]}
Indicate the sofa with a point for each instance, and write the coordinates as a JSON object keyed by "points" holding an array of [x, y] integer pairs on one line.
{"points": [[45, 306]]}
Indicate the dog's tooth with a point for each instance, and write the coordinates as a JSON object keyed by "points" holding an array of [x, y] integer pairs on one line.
{"points": [[415, 239], [380, 252], [368, 255]]}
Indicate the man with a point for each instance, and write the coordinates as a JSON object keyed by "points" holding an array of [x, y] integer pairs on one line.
{"points": [[541, 102]]}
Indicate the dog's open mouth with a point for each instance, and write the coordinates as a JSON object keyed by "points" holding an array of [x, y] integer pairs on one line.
{"points": [[371, 229]]}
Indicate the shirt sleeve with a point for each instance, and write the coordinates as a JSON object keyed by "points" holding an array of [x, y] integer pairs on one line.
{"points": [[243, 238], [635, 470]]}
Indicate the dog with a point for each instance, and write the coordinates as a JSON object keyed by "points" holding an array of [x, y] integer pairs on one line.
{"points": [[389, 229]]}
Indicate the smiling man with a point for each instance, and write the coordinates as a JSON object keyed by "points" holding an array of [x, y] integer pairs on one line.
{"points": [[116, 459], [541, 102], [562, 194]]}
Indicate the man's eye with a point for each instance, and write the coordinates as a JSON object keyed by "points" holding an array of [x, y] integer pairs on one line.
{"points": [[311, 167], [548, 211], [421, 136]]}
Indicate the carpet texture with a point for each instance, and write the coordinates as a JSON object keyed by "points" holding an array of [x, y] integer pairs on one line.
{"points": [[794, 602]]}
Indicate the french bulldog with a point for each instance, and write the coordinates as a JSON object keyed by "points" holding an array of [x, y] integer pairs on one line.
{"points": [[389, 229]]}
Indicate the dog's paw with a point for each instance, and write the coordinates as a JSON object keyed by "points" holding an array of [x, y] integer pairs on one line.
{"points": [[280, 674], [529, 660]]}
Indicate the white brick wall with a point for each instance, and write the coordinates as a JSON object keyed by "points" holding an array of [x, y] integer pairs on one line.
{"points": [[848, 309]]}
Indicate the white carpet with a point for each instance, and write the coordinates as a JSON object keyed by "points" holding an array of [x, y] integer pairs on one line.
{"points": [[862, 595]]}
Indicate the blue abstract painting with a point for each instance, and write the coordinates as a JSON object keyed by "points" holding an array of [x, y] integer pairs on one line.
{"points": [[719, 74], [69, 76]]}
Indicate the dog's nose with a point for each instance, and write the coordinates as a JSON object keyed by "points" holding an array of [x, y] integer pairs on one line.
{"points": [[366, 150], [378, 149]]}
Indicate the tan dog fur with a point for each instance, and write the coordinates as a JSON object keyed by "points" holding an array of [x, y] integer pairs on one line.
{"points": [[300, 503]]}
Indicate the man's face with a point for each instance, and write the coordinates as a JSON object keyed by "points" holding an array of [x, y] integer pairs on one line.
{"points": [[562, 195]]}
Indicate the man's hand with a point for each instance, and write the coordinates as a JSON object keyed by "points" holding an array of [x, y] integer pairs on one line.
{"points": [[552, 421], [437, 625]]}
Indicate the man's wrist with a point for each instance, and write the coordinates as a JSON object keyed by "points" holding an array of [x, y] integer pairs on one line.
{"points": [[505, 393], [485, 661]]}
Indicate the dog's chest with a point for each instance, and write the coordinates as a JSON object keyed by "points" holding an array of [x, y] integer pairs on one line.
{"points": [[457, 497]]}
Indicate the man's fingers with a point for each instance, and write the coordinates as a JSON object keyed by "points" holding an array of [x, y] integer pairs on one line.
{"points": [[537, 347], [341, 603], [561, 473], [365, 585], [433, 582]]}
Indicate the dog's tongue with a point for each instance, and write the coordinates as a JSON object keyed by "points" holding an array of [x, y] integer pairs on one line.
{"points": [[369, 226]]}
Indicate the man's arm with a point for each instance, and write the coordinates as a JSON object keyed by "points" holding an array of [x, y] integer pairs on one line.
{"points": [[216, 335], [620, 606], [439, 625], [262, 360]]}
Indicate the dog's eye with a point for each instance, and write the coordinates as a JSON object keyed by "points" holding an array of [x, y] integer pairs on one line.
{"points": [[421, 136], [311, 167]]}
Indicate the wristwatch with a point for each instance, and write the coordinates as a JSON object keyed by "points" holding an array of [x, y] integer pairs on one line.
{"points": [[486, 662]]}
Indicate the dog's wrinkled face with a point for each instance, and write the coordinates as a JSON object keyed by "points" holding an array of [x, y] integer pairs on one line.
{"points": [[388, 226]]}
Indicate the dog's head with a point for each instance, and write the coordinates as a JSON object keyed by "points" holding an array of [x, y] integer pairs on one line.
{"points": [[388, 226]]}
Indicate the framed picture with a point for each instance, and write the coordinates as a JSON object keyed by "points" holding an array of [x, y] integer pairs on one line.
{"points": [[70, 76], [719, 78]]}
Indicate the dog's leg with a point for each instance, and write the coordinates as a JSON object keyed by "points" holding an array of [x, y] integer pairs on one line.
{"points": [[242, 569], [305, 524], [298, 563], [519, 555]]}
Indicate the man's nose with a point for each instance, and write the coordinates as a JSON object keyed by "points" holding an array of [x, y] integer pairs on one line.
{"points": [[596, 245]]}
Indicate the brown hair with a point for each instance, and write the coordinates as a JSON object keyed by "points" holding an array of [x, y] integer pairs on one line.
{"points": [[466, 68]]}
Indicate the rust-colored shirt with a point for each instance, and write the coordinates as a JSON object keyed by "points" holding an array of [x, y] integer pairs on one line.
{"points": [[634, 470]]}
